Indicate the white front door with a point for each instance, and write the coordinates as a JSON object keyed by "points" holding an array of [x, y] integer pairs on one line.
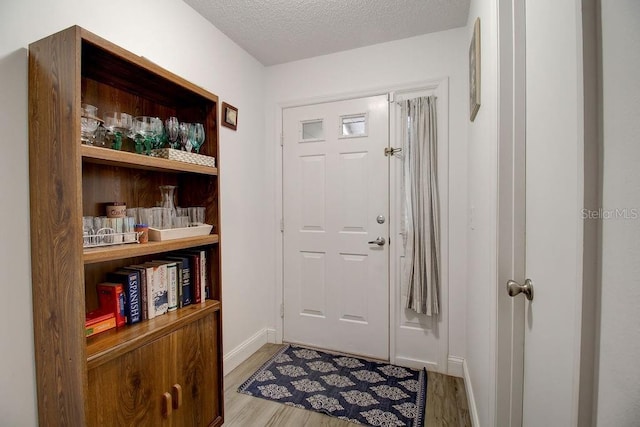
{"points": [[335, 202]]}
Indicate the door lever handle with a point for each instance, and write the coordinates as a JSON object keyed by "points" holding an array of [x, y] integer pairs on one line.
{"points": [[380, 241]]}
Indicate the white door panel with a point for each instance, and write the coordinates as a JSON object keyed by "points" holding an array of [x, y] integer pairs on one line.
{"points": [[335, 184], [554, 197], [312, 193], [313, 288]]}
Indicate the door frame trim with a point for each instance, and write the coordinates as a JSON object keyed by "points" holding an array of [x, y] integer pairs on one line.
{"points": [[438, 83]]}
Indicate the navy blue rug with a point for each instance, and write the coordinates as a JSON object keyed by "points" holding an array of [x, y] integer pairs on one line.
{"points": [[349, 388]]}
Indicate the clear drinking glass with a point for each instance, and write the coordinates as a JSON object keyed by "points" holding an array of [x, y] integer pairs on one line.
{"points": [[156, 215], [196, 215], [133, 212], [162, 218], [145, 216], [87, 230], [129, 229], [89, 122], [180, 221], [100, 136]]}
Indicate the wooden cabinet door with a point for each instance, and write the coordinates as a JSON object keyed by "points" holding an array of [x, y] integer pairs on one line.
{"points": [[197, 373], [127, 391]]}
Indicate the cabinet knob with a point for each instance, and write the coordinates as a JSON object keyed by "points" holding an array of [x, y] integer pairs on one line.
{"points": [[176, 392], [166, 404]]}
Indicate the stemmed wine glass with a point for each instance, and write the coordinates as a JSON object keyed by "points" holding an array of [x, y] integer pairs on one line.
{"points": [[89, 123], [159, 138], [197, 136], [183, 132], [148, 133], [172, 128], [118, 125]]}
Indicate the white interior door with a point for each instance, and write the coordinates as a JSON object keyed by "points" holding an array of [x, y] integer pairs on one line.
{"points": [[538, 341], [554, 200], [335, 202]]}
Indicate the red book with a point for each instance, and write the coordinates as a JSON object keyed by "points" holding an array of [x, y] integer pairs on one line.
{"points": [[112, 299], [98, 321]]}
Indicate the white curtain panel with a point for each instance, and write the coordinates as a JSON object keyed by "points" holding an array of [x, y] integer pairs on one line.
{"points": [[420, 222]]}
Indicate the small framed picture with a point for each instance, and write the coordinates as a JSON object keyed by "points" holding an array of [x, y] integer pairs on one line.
{"points": [[474, 71], [229, 116]]}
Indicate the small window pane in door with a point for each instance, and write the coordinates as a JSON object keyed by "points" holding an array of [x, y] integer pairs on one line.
{"points": [[353, 126], [312, 130]]}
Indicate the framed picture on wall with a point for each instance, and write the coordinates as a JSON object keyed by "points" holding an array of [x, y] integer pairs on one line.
{"points": [[229, 116], [474, 71]]}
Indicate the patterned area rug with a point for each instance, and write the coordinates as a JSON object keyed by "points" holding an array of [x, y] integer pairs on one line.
{"points": [[349, 388]]}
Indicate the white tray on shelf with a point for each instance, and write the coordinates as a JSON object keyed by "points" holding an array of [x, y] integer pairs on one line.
{"points": [[183, 156], [158, 235]]}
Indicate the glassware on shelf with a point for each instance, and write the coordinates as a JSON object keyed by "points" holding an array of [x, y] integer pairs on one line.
{"points": [[103, 231], [168, 192], [180, 222], [196, 215], [148, 133], [172, 129], [162, 218], [145, 216], [183, 132], [89, 123], [118, 125], [100, 137], [197, 136]]}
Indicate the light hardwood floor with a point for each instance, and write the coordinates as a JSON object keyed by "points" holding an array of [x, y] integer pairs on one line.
{"points": [[446, 402]]}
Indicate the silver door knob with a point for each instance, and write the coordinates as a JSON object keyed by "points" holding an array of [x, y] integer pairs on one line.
{"points": [[514, 288], [380, 241]]}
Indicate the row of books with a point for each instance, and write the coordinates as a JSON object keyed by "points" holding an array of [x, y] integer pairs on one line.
{"points": [[140, 292]]}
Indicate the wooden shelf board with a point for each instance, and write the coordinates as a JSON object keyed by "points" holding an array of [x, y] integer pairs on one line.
{"points": [[127, 69], [110, 253], [112, 344], [111, 157]]}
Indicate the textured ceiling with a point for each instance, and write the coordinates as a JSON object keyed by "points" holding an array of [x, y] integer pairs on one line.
{"points": [[278, 31]]}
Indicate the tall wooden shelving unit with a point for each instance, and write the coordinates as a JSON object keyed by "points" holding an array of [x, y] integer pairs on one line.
{"points": [[165, 371]]}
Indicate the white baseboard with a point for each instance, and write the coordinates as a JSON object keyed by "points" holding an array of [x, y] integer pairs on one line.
{"points": [[235, 357], [272, 336], [471, 401], [416, 364], [455, 366]]}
